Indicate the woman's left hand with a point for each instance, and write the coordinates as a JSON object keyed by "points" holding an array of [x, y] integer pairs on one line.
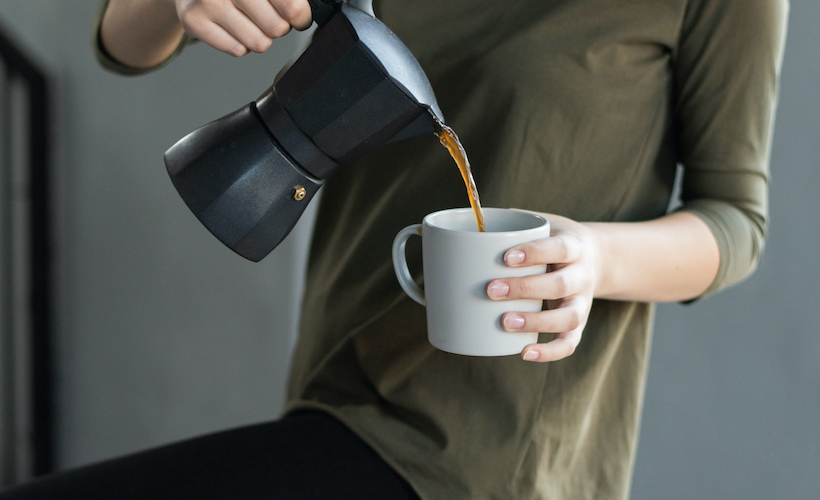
{"points": [[568, 286]]}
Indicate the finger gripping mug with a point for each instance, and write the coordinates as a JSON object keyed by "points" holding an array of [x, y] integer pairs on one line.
{"points": [[458, 263]]}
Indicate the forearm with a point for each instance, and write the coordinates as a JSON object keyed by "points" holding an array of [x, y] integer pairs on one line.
{"points": [[141, 33], [672, 258]]}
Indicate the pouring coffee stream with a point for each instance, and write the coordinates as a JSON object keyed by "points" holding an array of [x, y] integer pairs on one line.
{"points": [[450, 140], [249, 175]]}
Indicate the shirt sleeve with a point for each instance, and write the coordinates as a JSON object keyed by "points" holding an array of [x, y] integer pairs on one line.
{"points": [[727, 65], [111, 64]]}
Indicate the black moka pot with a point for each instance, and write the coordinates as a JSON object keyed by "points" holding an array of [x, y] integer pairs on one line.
{"points": [[249, 176]]}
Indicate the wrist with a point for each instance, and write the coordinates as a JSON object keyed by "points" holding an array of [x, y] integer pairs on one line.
{"points": [[600, 247], [142, 34]]}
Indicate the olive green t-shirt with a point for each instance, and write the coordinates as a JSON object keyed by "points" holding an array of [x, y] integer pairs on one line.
{"points": [[581, 108]]}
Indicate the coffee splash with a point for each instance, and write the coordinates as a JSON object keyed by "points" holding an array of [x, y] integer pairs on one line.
{"points": [[449, 139]]}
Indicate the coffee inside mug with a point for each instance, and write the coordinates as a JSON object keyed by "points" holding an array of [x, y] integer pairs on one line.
{"points": [[496, 220]]}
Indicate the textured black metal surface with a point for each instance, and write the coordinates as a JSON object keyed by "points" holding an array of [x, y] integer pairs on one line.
{"points": [[292, 139], [237, 182]]}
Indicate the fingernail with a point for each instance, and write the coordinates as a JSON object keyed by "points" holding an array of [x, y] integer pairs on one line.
{"points": [[531, 355], [498, 289], [514, 257], [513, 321]]}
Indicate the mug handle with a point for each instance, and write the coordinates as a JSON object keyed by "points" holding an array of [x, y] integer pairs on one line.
{"points": [[400, 264]]}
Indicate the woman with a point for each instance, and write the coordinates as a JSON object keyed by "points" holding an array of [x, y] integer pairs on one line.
{"points": [[582, 108]]}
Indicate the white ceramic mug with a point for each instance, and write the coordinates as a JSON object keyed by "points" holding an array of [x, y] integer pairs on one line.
{"points": [[458, 263]]}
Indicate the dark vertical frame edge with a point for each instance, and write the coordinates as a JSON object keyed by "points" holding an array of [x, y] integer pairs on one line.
{"points": [[43, 397]]}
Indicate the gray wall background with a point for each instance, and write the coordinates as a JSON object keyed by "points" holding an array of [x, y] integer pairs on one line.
{"points": [[165, 334]]}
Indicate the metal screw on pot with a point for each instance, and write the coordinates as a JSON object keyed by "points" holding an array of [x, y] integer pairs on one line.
{"points": [[299, 193]]}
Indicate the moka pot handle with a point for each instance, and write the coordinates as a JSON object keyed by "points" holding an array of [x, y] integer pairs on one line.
{"points": [[322, 10]]}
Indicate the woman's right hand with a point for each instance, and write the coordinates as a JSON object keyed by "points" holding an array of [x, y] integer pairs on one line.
{"points": [[238, 27], [144, 33]]}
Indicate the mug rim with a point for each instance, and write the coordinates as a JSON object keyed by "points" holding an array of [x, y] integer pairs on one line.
{"points": [[429, 220]]}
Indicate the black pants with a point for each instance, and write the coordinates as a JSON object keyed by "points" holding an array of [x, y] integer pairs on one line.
{"points": [[307, 455]]}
